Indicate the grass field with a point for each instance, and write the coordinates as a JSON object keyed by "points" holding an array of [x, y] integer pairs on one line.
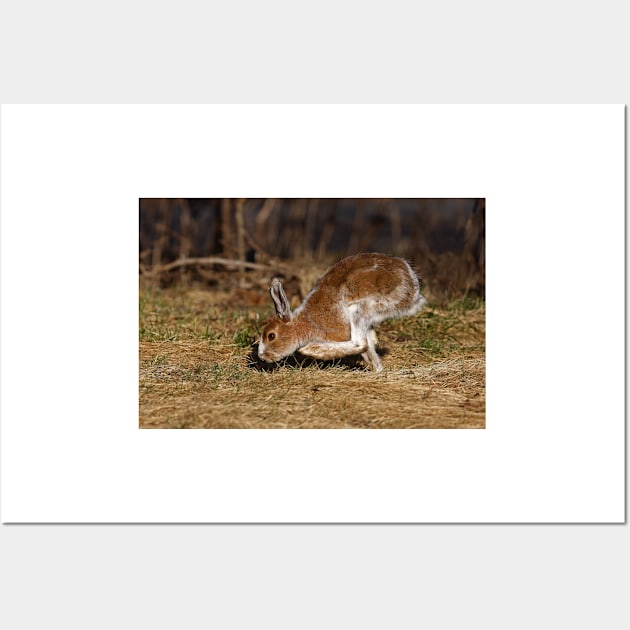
{"points": [[198, 369]]}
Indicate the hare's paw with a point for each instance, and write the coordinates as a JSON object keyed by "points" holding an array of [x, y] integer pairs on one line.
{"points": [[372, 360], [332, 349]]}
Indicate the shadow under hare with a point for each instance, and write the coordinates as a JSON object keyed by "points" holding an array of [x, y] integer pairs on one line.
{"points": [[337, 317]]}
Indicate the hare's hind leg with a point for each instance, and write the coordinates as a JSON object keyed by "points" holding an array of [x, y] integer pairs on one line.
{"points": [[361, 332], [370, 356]]}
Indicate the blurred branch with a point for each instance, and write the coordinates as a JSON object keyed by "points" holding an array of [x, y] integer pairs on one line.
{"points": [[210, 260], [267, 222], [226, 227], [240, 238]]}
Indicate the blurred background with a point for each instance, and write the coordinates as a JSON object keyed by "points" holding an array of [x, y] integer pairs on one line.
{"points": [[240, 243]]}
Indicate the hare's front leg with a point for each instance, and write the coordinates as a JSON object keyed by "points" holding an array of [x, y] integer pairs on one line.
{"points": [[327, 350]]}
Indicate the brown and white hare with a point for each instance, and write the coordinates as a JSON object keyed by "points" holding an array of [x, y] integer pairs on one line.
{"points": [[338, 315]]}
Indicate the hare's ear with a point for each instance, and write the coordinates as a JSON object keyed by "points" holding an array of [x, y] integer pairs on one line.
{"points": [[279, 298]]}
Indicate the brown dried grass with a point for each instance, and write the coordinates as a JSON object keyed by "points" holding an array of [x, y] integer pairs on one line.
{"points": [[196, 371]]}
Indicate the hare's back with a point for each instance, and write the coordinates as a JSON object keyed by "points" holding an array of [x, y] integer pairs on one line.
{"points": [[378, 275], [352, 268], [374, 284]]}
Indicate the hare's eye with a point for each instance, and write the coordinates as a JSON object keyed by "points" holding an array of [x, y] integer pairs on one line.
{"points": [[271, 336]]}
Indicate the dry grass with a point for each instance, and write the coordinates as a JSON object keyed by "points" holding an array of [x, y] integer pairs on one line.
{"points": [[198, 370]]}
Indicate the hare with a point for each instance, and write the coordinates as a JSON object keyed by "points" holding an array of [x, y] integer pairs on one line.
{"points": [[337, 317]]}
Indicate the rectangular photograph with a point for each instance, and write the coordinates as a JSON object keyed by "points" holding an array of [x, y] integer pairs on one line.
{"points": [[313, 313]]}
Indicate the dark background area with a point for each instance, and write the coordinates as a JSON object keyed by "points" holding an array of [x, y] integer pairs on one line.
{"points": [[443, 238]]}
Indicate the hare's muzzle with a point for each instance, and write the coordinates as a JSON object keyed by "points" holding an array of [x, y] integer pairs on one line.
{"points": [[264, 354]]}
